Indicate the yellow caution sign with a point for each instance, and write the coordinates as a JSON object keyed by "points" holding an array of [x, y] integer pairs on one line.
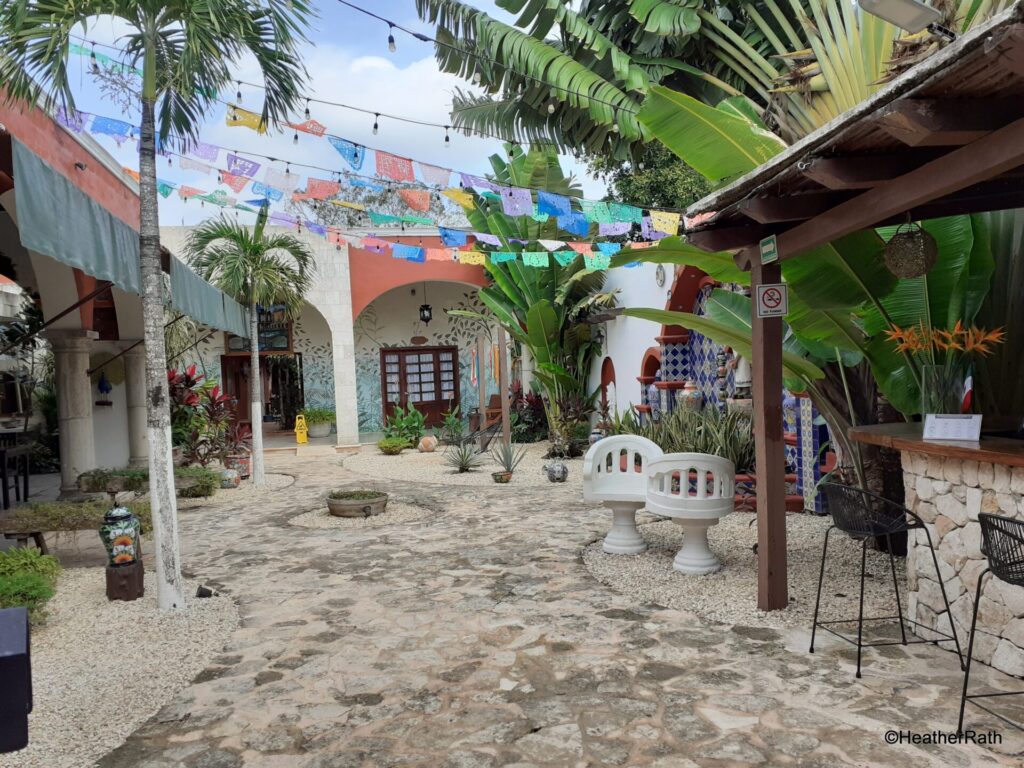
{"points": [[301, 430]]}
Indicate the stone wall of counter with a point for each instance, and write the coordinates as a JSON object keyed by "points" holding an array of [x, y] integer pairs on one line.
{"points": [[949, 494]]}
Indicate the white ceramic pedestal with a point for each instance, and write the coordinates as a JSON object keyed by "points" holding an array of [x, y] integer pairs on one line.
{"points": [[696, 557], [624, 538]]}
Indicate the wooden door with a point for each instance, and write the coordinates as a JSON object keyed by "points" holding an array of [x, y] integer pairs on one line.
{"points": [[427, 377]]}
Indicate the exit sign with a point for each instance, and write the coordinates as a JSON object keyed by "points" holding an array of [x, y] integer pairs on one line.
{"points": [[769, 250]]}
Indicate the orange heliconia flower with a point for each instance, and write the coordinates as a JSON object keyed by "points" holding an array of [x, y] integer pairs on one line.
{"points": [[968, 340]]}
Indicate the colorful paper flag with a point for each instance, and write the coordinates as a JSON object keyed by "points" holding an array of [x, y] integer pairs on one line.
{"points": [[614, 228], [364, 184], [565, 258], [476, 182], [379, 219], [516, 201], [72, 119], [118, 130], [237, 117], [460, 196], [596, 261], [580, 247], [596, 210], [376, 245], [624, 212], [407, 252], [472, 257], [233, 182], [648, 231], [536, 258], [188, 164], [204, 151], [241, 166], [394, 167], [435, 175], [186, 192], [283, 219], [453, 236], [267, 192], [440, 254], [164, 188], [417, 199], [575, 223], [320, 189], [499, 257], [284, 180], [609, 249], [347, 204], [309, 126], [552, 204], [488, 239], [665, 221], [353, 153], [316, 229]]}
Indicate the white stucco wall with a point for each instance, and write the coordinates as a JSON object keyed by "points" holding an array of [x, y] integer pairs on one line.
{"points": [[627, 338]]}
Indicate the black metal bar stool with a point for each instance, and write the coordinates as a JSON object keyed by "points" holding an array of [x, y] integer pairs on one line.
{"points": [[1002, 543], [864, 516]]}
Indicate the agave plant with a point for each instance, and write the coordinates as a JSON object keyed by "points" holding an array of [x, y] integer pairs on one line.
{"points": [[508, 456], [464, 458]]}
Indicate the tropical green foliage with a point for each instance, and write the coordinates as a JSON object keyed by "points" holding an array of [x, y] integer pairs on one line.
{"points": [[392, 446], [406, 424], [452, 426], [545, 309], [319, 415], [28, 579], [508, 456], [464, 458], [658, 178]]}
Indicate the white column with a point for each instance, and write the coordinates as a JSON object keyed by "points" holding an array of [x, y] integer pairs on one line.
{"points": [[135, 394], [74, 405]]}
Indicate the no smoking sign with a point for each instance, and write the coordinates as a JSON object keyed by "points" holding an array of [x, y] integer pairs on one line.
{"points": [[772, 300]]}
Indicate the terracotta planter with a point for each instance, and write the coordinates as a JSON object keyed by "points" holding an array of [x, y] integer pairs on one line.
{"points": [[501, 477], [319, 430], [242, 464], [357, 507]]}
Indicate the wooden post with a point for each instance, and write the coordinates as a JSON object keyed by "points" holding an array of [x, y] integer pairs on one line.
{"points": [[124, 582], [506, 423], [772, 593]]}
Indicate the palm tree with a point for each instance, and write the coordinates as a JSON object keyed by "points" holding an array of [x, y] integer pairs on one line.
{"points": [[257, 269], [184, 49]]}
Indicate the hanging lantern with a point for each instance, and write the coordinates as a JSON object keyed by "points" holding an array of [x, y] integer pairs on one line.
{"points": [[911, 252], [426, 313]]}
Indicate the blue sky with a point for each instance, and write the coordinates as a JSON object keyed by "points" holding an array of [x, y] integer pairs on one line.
{"points": [[349, 62]]}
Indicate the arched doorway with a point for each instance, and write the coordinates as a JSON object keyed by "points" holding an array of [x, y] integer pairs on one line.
{"points": [[608, 401]]}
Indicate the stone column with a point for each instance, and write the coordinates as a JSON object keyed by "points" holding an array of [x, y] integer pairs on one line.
{"points": [[74, 405], [135, 389]]}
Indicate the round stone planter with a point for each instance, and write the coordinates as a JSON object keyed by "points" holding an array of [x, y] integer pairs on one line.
{"points": [[501, 477], [241, 463], [367, 507], [319, 430]]}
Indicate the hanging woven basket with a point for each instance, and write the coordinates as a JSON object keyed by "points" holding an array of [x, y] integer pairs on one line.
{"points": [[911, 252]]}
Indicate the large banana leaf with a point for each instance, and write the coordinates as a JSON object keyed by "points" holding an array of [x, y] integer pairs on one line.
{"points": [[715, 143], [675, 250], [794, 366], [846, 273]]}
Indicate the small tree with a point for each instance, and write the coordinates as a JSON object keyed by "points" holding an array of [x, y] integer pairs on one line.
{"points": [[258, 270], [184, 50]]}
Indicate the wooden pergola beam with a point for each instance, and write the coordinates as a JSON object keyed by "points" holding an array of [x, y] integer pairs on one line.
{"points": [[728, 238], [863, 171], [947, 122], [986, 158], [776, 210]]}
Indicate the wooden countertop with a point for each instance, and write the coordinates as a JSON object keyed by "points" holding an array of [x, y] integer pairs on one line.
{"points": [[907, 437]]}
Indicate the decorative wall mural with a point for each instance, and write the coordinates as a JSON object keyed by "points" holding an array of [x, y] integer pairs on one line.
{"points": [[392, 320], [312, 338]]}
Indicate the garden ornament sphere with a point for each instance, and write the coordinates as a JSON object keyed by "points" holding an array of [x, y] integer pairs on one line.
{"points": [[911, 252], [557, 471]]}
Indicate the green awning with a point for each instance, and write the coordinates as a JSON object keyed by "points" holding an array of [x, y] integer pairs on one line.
{"points": [[57, 219], [197, 298]]}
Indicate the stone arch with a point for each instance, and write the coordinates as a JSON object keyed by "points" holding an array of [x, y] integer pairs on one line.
{"points": [[607, 381]]}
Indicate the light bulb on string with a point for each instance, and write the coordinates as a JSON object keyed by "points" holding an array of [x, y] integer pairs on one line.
{"points": [[94, 63], [551, 107], [307, 109], [238, 93], [391, 37], [447, 138], [295, 138], [376, 127], [476, 78]]}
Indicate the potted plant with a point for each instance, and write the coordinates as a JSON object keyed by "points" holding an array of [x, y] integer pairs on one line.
{"points": [[319, 421], [392, 446], [358, 503], [464, 458], [507, 457], [237, 449]]}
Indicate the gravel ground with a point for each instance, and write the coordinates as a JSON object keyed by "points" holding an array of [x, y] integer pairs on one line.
{"points": [[411, 465], [244, 492], [396, 512], [730, 596], [100, 669]]}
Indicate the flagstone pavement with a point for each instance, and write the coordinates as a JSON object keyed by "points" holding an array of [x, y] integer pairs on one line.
{"points": [[475, 637]]}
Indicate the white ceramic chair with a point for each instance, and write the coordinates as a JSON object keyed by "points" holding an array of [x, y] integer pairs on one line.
{"points": [[695, 490], [615, 474]]}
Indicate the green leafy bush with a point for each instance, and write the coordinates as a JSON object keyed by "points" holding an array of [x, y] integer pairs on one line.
{"points": [[451, 426], [68, 516], [29, 560], [28, 579], [407, 424], [464, 458], [25, 590], [319, 416], [392, 446], [137, 480], [207, 482]]}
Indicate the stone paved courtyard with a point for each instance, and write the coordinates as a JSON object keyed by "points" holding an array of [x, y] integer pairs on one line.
{"points": [[475, 637]]}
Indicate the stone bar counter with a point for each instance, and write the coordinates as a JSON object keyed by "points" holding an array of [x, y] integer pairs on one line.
{"points": [[947, 485]]}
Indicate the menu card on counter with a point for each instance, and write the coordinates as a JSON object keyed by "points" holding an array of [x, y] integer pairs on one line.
{"points": [[952, 426]]}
